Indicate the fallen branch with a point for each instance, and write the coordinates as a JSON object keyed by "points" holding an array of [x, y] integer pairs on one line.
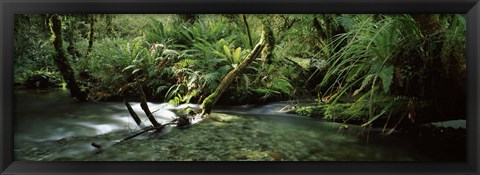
{"points": [[182, 121], [132, 113], [140, 132], [144, 105], [146, 129]]}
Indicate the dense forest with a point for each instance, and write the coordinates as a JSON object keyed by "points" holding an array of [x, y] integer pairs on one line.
{"points": [[393, 72]]}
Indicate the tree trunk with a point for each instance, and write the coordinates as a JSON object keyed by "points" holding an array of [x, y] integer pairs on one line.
{"points": [[248, 30], [62, 62], [210, 101], [91, 35], [267, 52]]}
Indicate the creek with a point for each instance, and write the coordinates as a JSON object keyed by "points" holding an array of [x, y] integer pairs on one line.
{"points": [[49, 125]]}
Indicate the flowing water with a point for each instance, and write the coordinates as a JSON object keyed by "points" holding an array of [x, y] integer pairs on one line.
{"points": [[49, 125]]}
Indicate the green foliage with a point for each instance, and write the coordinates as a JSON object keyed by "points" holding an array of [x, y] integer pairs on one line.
{"points": [[36, 57], [271, 83], [158, 33], [347, 22], [345, 112], [335, 112], [368, 56], [386, 75], [369, 47], [209, 52], [32, 78], [362, 60], [32, 50], [311, 111], [353, 56], [194, 55], [454, 26]]}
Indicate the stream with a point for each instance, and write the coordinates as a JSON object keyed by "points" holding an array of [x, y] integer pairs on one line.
{"points": [[49, 125]]}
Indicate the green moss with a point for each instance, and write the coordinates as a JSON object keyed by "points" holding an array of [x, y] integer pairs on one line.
{"points": [[345, 112], [338, 112], [310, 111], [208, 103], [381, 107]]}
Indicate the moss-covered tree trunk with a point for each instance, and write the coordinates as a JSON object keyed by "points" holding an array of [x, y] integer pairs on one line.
{"points": [[267, 52], [62, 62], [210, 101], [91, 35]]}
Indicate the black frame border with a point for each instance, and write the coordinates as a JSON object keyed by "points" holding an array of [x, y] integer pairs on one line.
{"points": [[10, 7]]}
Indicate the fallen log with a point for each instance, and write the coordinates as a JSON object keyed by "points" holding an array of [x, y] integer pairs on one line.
{"points": [[210, 101]]}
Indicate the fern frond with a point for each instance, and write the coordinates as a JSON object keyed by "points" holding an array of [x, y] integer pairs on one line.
{"points": [[364, 84]]}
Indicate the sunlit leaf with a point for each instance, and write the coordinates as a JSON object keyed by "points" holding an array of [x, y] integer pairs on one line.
{"points": [[129, 67], [136, 70], [236, 54], [227, 51]]}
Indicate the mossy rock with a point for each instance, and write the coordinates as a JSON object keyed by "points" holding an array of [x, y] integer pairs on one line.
{"points": [[310, 111]]}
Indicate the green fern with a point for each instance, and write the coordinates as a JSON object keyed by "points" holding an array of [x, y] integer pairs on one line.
{"points": [[281, 85], [347, 22], [210, 80], [386, 74]]}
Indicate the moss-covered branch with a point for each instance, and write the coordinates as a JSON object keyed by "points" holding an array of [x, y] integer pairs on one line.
{"points": [[210, 101]]}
